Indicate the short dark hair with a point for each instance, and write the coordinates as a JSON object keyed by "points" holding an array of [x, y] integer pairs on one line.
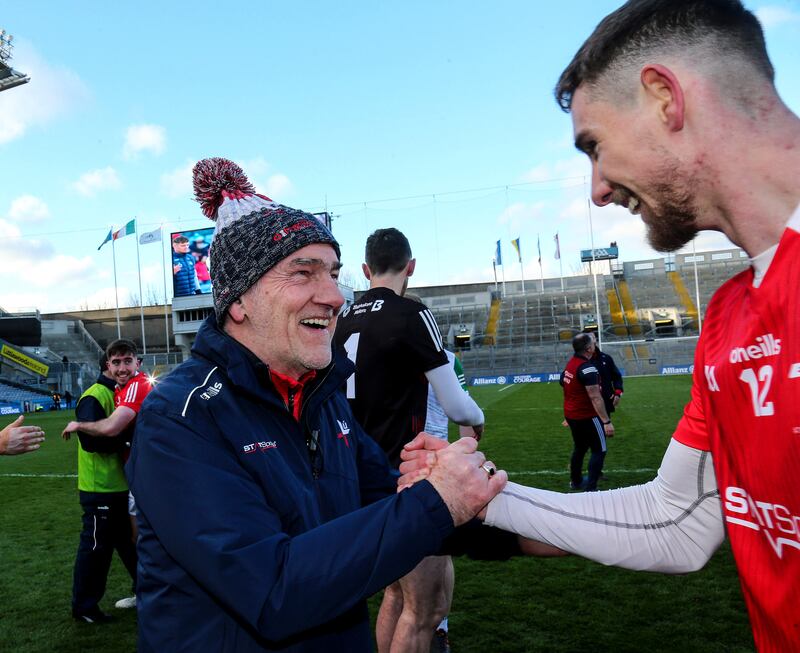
{"points": [[581, 342], [103, 361], [387, 250], [180, 238], [650, 26], [122, 346]]}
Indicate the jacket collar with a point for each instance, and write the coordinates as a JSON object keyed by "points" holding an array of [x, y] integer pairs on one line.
{"points": [[250, 374], [106, 382]]}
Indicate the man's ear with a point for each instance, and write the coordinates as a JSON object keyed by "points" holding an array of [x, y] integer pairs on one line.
{"points": [[412, 264], [662, 87], [237, 311], [365, 270]]}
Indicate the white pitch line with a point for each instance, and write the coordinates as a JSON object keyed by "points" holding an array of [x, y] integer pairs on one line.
{"points": [[555, 472], [506, 388], [41, 475]]}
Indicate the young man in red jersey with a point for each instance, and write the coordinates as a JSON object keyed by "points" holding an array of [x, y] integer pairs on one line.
{"points": [[674, 103]]}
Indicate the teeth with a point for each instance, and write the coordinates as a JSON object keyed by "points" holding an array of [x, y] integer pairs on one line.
{"points": [[633, 205], [316, 321]]}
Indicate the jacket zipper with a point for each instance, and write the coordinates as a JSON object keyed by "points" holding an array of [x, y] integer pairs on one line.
{"points": [[312, 436]]}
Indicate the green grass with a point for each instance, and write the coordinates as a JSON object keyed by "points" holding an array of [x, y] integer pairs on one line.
{"points": [[524, 605]]}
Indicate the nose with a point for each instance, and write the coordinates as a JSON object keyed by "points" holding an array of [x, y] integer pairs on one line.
{"points": [[601, 190], [329, 294]]}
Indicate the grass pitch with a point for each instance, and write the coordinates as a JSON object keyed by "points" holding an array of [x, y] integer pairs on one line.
{"points": [[524, 605]]}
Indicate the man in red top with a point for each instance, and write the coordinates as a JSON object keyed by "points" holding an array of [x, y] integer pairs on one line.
{"points": [[674, 103], [132, 388], [585, 412]]}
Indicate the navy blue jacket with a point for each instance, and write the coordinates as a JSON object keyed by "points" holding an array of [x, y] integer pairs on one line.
{"points": [[245, 542], [185, 279]]}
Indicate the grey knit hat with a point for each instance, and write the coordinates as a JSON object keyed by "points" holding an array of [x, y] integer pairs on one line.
{"points": [[252, 232]]}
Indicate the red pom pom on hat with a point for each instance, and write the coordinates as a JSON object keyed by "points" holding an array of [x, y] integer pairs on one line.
{"points": [[216, 179]]}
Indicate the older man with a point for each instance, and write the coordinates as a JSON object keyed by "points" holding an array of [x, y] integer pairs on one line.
{"points": [[266, 515], [674, 103]]}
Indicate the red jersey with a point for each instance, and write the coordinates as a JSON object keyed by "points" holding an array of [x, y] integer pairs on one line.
{"points": [[133, 393], [131, 396], [579, 373], [747, 381]]}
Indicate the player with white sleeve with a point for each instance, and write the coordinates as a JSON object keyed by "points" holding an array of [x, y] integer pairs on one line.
{"points": [[674, 102]]}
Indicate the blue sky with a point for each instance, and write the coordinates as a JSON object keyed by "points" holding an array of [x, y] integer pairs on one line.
{"points": [[436, 118]]}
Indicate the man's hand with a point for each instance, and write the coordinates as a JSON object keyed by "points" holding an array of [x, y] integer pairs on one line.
{"points": [[608, 429], [176, 267], [615, 401], [16, 438], [71, 428], [459, 474]]}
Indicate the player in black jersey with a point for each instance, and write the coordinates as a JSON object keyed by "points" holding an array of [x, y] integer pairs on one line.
{"points": [[397, 350]]}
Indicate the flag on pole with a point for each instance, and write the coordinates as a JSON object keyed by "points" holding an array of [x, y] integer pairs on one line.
{"points": [[127, 230], [498, 256], [107, 239], [558, 247], [150, 237], [539, 247], [515, 244]]}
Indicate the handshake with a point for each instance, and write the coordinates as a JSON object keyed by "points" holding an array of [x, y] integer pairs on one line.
{"points": [[460, 473]]}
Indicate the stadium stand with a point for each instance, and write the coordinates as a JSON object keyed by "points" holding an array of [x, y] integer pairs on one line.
{"points": [[646, 312]]}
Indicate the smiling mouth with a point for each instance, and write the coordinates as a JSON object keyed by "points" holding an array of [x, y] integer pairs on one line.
{"points": [[316, 322]]}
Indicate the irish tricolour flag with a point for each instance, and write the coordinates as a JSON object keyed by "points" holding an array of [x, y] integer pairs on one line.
{"points": [[127, 230]]}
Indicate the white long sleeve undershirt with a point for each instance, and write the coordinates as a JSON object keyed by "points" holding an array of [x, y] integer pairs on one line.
{"points": [[457, 404], [672, 524]]}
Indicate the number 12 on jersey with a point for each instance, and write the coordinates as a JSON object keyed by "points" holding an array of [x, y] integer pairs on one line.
{"points": [[761, 407]]}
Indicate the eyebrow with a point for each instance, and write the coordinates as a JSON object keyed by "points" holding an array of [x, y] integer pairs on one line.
{"points": [[582, 141], [315, 262]]}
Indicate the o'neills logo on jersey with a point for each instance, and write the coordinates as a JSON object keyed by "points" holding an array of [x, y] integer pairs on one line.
{"points": [[297, 226], [780, 527], [765, 346]]}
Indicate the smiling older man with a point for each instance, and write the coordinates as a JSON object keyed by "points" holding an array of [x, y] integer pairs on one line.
{"points": [[266, 515]]}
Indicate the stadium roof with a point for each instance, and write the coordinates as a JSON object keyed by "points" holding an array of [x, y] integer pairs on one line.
{"points": [[9, 78]]}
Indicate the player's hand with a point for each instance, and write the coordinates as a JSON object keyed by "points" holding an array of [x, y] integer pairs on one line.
{"points": [[69, 429], [461, 478], [418, 456], [615, 400], [16, 438], [477, 432], [609, 429]]}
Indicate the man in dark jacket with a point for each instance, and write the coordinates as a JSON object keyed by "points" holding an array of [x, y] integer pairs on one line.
{"points": [[266, 515], [183, 273], [610, 377]]}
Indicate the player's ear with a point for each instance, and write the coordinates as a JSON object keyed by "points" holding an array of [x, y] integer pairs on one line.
{"points": [[365, 270], [662, 88], [412, 264], [237, 311]]}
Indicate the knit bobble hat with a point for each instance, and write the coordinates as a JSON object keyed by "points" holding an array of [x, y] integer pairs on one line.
{"points": [[252, 233]]}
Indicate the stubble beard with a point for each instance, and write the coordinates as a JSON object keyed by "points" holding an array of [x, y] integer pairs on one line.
{"points": [[674, 223]]}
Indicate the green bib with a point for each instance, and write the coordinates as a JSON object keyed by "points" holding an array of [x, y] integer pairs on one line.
{"points": [[100, 472]]}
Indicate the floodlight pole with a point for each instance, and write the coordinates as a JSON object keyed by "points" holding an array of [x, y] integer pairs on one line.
{"points": [[164, 279], [598, 316]]}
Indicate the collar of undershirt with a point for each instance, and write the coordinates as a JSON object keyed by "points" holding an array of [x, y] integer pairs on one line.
{"points": [[291, 390], [762, 261]]}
